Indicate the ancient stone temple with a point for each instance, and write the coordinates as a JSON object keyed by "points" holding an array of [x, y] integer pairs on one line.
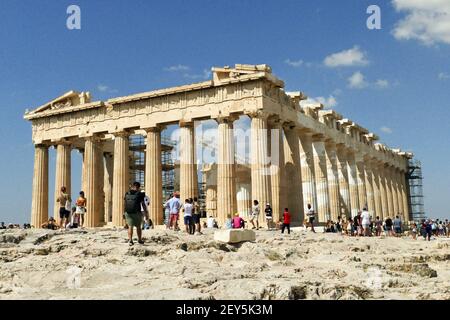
{"points": [[299, 155]]}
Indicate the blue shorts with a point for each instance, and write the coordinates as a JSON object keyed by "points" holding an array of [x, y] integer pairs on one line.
{"points": [[187, 220], [196, 218]]}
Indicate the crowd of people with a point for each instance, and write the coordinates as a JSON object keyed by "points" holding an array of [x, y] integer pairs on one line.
{"points": [[136, 215]]}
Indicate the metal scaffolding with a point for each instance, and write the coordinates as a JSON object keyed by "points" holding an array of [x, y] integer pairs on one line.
{"points": [[415, 178]]}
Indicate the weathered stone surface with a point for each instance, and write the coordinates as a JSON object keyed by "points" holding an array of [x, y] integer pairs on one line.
{"points": [[234, 235]]}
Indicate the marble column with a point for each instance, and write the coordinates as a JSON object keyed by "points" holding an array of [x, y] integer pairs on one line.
{"points": [[388, 186], [383, 191], [226, 171], [399, 193], [93, 155], [404, 192], [353, 184], [361, 181], [376, 190], [153, 175], [260, 164], [277, 170], [244, 200], [39, 201], [344, 191], [392, 179], [121, 176], [307, 171], [108, 185], [62, 173], [293, 174], [320, 174], [188, 174], [369, 187], [333, 179]]}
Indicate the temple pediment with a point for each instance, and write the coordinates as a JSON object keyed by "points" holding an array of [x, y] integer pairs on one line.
{"points": [[68, 99]]}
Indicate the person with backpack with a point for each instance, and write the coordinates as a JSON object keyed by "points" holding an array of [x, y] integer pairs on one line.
{"points": [[65, 206], [134, 201]]}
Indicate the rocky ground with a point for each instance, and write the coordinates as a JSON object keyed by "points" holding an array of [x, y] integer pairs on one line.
{"points": [[99, 264]]}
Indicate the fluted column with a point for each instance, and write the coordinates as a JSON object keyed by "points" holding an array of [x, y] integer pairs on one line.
{"points": [[188, 173], [277, 170], [369, 187], [398, 184], [353, 184], [62, 173], [404, 189], [344, 192], [383, 191], [39, 201], [307, 171], [320, 173], [93, 154], [121, 176], [108, 185], [361, 180], [244, 200], [393, 183], [333, 179], [226, 172], [376, 190], [153, 175], [293, 174], [260, 164], [388, 185]]}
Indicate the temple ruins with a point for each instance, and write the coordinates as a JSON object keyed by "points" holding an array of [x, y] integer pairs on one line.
{"points": [[299, 154]]}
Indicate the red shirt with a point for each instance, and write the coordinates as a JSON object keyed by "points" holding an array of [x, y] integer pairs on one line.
{"points": [[286, 217]]}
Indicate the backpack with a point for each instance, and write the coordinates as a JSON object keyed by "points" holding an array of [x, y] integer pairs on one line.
{"points": [[132, 202]]}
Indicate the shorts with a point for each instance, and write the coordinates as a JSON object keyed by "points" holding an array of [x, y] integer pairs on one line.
{"points": [[253, 217], [269, 218], [133, 219], [173, 217], [311, 219], [388, 228], [63, 213], [196, 218], [398, 230], [365, 226], [188, 220]]}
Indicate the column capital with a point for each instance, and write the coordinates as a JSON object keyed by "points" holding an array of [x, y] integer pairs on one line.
{"points": [[123, 134], [230, 118], [94, 138], [318, 137], [63, 141], [156, 128], [258, 114], [186, 123]]}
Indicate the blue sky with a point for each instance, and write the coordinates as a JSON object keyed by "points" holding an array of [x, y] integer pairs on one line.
{"points": [[394, 81]]}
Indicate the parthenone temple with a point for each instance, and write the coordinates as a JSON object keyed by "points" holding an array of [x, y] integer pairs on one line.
{"points": [[299, 154]]}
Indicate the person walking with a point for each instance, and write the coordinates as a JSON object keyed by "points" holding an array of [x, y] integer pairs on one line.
{"points": [[80, 208], [311, 216], [388, 225], [187, 210], [286, 221], [175, 207], [365, 222], [134, 201], [269, 215], [255, 214], [65, 205], [397, 226], [196, 216], [378, 226]]}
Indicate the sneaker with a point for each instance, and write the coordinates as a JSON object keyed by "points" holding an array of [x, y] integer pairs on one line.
{"points": [[130, 243], [141, 241]]}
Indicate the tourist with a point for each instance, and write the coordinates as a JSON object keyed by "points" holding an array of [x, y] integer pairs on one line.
{"points": [[65, 206], [255, 214], [414, 231], [428, 230], [134, 200], [238, 222], [196, 217], [74, 219], [228, 222], [2, 225], [311, 216], [397, 226], [329, 227], [447, 228], [366, 220], [187, 216], [350, 227], [378, 226], [388, 225], [148, 223], [166, 207], [339, 225], [211, 222], [441, 229], [50, 224], [81, 207], [357, 222], [269, 216], [175, 207], [286, 221]]}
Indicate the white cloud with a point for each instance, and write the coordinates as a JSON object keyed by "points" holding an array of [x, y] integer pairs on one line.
{"points": [[443, 76], [357, 81], [177, 68], [382, 83], [386, 130], [294, 64], [329, 102], [346, 58], [105, 88], [427, 21], [205, 75]]}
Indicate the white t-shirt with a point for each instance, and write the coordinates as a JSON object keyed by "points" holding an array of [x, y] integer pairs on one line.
{"points": [[210, 222], [365, 218], [310, 213], [255, 210], [188, 210]]}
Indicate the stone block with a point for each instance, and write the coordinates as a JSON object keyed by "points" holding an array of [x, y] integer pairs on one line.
{"points": [[234, 235]]}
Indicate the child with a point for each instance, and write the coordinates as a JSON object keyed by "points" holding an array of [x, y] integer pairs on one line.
{"points": [[286, 221], [350, 227]]}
